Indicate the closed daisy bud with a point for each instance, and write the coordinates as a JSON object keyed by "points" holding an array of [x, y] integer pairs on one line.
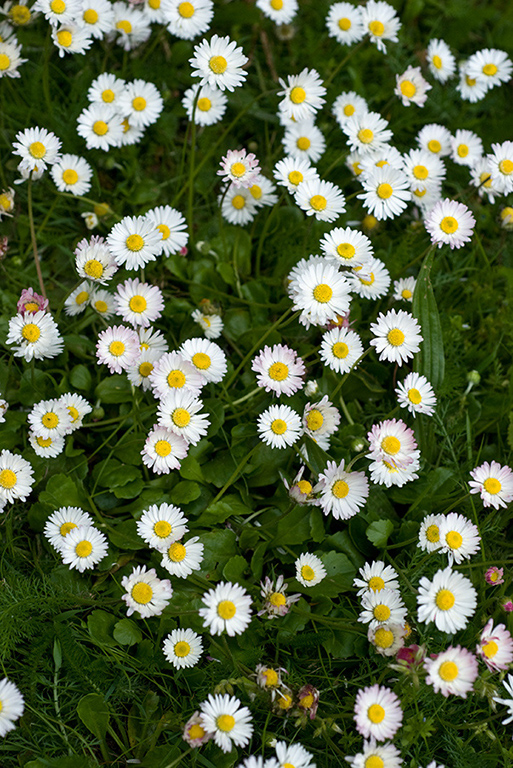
{"points": [[183, 648]]}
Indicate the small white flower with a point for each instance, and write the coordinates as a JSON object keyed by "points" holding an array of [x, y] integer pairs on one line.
{"points": [[340, 349], [344, 22], [416, 394], [173, 372], [179, 411], [279, 369], [207, 357], [467, 148], [101, 126], [145, 592], [279, 11], [380, 22], [386, 192], [219, 63], [183, 648], [411, 87], [11, 706], [117, 347], [64, 520], [490, 66], [396, 336], [450, 223], [141, 103], [321, 199], [134, 241], [15, 477], [304, 140], [448, 600], [83, 547], [212, 325], [441, 61], [291, 171], [94, 261], [367, 133], [279, 426], [309, 570], [429, 533], [452, 672], [183, 558], [404, 289], [494, 483], [37, 147], [238, 205], [376, 576], [50, 418], [210, 105], [130, 25], [370, 281], [343, 493], [303, 94], [239, 168], [435, 138], [230, 722], [227, 608], [71, 38], [382, 607], [188, 19], [377, 712], [139, 303]]}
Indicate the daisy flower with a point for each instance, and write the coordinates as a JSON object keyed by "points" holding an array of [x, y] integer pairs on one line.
{"points": [[141, 103], [130, 25], [71, 38], [117, 347], [495, 647], [212, 325], [35, 335], [507, 702], [134, 241], [501, 166], [194, 733], [182, 559], [15, 477], [145, 592], [50, 418], [387, 638], [172, 372], [467, 148], [370, 281], [448, 600], [239, 168], [6, 208], [37, 147], [279, 426], [493, 576], [321, 418], [152, 340], [303, 94], [506, 217], [160, 526], [219, 63], [210, 104], [58, 11], [340, 349], [494, 483], [237, 205], [383, 607], [435, 138], [11, 706], [139, 373], [172, 227], [452, 672], [227, 608], [103, 303], [179, 411], [83, 547], [377, 712], [321, 199], [425, 197], [279, 369], [481, 178], [292, 171], [46, 447], [346, 247], [279, 11], [139, 303], [276, 602], [392, 441], [101, 126], [94, 261], [309, 570], [423, 169], [10, 59], [320, 292], [64, 520], [18, 13], [263, 191], [396, 336], [348, 103], [78, 300], [471, 88], [106, 88], [97, 17], [207, 357], [491, 66], [291, 754], [182, 648], [388, 472], [344, 23], [376, 576], [381, 23], [230, 722], [386, 192], [304, 140], [451, 223], [367, 133], [429, 533], [404, 288], [416, 394], [441, 61], [411, 87], [459, 538], [343, 493], [187, 20]]}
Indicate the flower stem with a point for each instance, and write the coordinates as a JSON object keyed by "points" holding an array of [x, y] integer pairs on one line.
{"points": [[33, 237]]}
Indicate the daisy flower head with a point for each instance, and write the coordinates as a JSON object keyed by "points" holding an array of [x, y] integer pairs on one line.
{"points": [[179, 411], [459, 537], [279, 369], [94, 261], [228, 720], [71, 38], [18, 13], [291, 754], [495, 647], [183, 648], [50, 418], [183, 558], [279, 426], [172, 372], [321, 199], [130, 25], [380, 22], [471, 89], [46, 447], [64, 520], [279, 11], [172, 227], [387, 155], [440, 60], [16, 477], [506, 218], [72, 174], [207, 357], [376, 576], [320, 292], [303, 94], [346, 247], [263, 191], [411, 87], [435, 138], [117, 347], [450, 223], [416, 394], [187, 20], [340, 349], [374, 754], [481, 178], [388, 472], [10, 59], [467, 148], [304, 140], [344, 23], [342, 493], [103, 302], [134, 241], [452, 672], [292, 171], [423, 169], [268, 678], [106, 88], [501, 166], [239, 168], [4, 405], [494, 483], [377, 712], [404, 289], [383, 607], [397, 336], [164, 450], [370, 281], [276, 602], [141, 103], [194, 733], [101, 126], [6, 208], [392, 441], [493, 576], [212, 325], [310, 570], [139, 303], [320, 418], [97, 17], [507, 702], [84, 547], [12, 706], [367, 133], [58, 11], [145, 592], [227, 609], [132, 134], [210, 104], [429, 533], [35, 335], [161, 525], [348, 103], [387, 638], [219, 63], [448, 600], [387, 192], [37, 147], [79, 299], [238, 205], [490, 66]]}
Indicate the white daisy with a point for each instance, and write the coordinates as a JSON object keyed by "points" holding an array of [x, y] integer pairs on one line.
{"points": [[397, 336], [367, 133], [10, 59], [194, 733], [237, 205], [340, 349], [263, 191], [139, 303], [291, 754], [64, 520], [145, 592], [448, 600], [182, 648], [187, 20], [134, 241], [97, 17], [382, 607], [388, 472], [219, 63], [370, 281], [344, 23], [429, 533], [441, 61], [481, 178], [37, 147], [161, 525], [172, 227], [164, 450], [376, 576], [179, 411], [106, 88], [183, 558], [346, 247], [94, 261], [11, 706], [207, 357], [320, 292], [279, 426], [291, 171], [230, 722], [71, 38], [101, 126], [387, 639], [173, 372], [494, 483], [210, 104], [46, 447], [435, 138], [212, 325], [139, 373], [411, 87], [227, 608], [459, 538], [392, 441], [471, 88], [377, 712], [239, 168], [102, 302], [303, 95], [320, 418], [450, 223], [140, 102], [387, 192], [78, 300], [378, 755], [423, 169], [16, 477], [117, 347], [321, 199], [83, 547], [72, 174], [304, 140], [467, 148], [501, 166], [279, 11], [416, 394], [50, 418], [310, 570], [279, 369], [380, 22], [404, 288], [35, 335], [491, 66], [452, 672], [58, 11], [132, 134], [495, 646], [343, 493], [152, 340], [130, 25]]}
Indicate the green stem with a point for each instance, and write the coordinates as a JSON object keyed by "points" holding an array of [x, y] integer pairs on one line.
{"points": [[33, 236], [235, 474], [192, 157], [264, 233], [247, 397]]}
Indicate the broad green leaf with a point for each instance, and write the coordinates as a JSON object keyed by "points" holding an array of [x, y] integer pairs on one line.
{"points": [[80, 377], [379, 531], [126, 632], [61, 491], [100, 625], [430, 361], [114, 389], [125, 536], [222, 509], [234, 568], [185, 491], [94, 713]]}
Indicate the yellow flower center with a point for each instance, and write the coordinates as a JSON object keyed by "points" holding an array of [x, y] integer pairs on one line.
{"points": [[142, 593], [454, 539], [307, 573], [137, 303], [369, 221], [340, 489], [139, 103], [181, 417], [285, 702], [81, 297], [490, 69], [238, 170], [303, 143], [93, 268], [322, 293], [375, 713], [73, 413], [420, 172], [408, 89], [306, 702], [186, 10], [437, 62], [154, 4], [414, 396], [176, 379], [445, 599], [384, 191], [383, 638], [19, 14], [134, 242], [395, 337], [376, 583], [277, 599], [346, 250], [506, 167], [31, 332], [278, 371], [433, 534], [485, 179], [182, 648], [7, 478], [196, 731], [44, 443], [448, 671], [83, 548], [64, 38], [66, 528], [256, 191], [406, 293], [5, 63], [218, 64], [100, 127], [101, 306], [70, 176], [238, 202], [271, 678], [108, 95], [462, 150], [391, 445], [305, 487], [381, 612], [318, 202], [116, 348], [37, 149], [31, 306], [58, 6], [434, 146], [279, 427], [90, 16], [295, 177], [365, 135], [50, 420], [374, 761], [298, 95], [492, 485], [490, 649], [226, 609], [376, 28], [340, 350], [349, 110], [449, 225], [314, 419], [162, 448], [145, 369], [201, 361], [204, 104], [344, 24], [162, 528], [277, 4], [225, 723], [124, 25], [470, 80], [176, 552]]}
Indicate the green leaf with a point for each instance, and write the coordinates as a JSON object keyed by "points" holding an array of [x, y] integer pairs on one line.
{"points": [[114, 389], [61, 491], [126, 632], [379, 531], [294, 527], [94, 713], [113, 474], [130, 490], [80, 378], [317, 525], [234, 568], [100, 625], [125, 536], [185, 491], [221, 510], [190, 469], [430, 361]]}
